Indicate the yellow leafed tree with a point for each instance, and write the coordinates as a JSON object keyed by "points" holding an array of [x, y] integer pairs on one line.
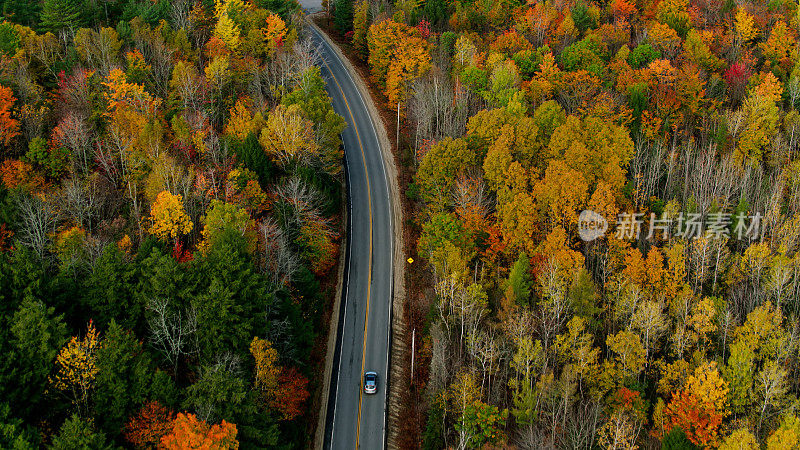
{"points": [[168, 219], [411, 60], [741, 439], [226, 29], [762, 116], [746, 28], [360, 19], [288, 137], [122, 93], [242, 122], [76, 367], [397, 56], [266, 369]]}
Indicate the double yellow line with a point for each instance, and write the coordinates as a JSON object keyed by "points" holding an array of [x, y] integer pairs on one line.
{"points": [[369, 272]]}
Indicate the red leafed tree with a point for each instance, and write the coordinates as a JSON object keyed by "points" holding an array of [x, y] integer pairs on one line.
{"points": [[5, 237], [180, 253], [189, 432], [424, 28], [290, 394], [493, 243], [736, 78], [149, 425], [629, 400], [9, 127]]}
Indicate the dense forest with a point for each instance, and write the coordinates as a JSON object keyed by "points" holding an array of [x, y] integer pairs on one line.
{"points": [[674, 121], [169, 214]]}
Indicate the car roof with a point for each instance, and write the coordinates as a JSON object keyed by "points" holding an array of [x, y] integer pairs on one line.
{"points": [[370, 373]]}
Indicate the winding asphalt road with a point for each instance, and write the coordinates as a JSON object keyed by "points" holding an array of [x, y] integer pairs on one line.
{"points": [[355, 419]]}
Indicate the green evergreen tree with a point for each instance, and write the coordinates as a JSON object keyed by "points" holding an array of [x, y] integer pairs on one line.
{"points": [[231, 299], [250, 153], [21, 274], [432, 438], [584, 297], [343, 16], [436, 11], [58, 15], [78, 433], [283, 8], [519, 280], [109, 291], [23, 12], [9, 38], [677, 440], [13, 433], [219, 392], [35, 336], [124, 379]]}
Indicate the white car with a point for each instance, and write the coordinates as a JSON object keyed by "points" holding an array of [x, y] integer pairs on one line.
{"points": [[370, 382]]}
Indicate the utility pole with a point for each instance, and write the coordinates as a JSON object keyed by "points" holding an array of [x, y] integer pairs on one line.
{"points": [[413, 339], [397, 140]]}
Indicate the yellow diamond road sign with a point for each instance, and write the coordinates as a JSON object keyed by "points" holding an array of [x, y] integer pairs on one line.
{"points": [[410, 260]]}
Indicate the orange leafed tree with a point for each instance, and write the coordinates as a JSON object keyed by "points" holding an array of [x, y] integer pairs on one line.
{"points": [[316, 238], [122, 93], [411, 61], [242, 122], [189, 432], [15, 173], [780, 50], [700, 407], [149, 425], [5, 238], [623, 9], [397, 56], [274, 32], [9, 127]]}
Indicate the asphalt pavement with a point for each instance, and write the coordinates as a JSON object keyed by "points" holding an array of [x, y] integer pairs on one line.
{"points": [[354, 419]]}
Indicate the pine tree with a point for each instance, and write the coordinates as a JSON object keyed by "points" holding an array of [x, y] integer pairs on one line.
{"points": [[519, 280], [23, 12], [436, 11], [61, 14], [343, 15]]}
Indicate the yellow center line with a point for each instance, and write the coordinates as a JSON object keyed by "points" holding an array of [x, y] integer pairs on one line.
{"points": [[369, 273]]}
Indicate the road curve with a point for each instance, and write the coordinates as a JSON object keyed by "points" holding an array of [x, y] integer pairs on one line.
{"points": [[355, 419]]}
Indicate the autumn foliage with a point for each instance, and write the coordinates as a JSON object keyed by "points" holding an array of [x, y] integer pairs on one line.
{"points": [[533, 122], [291, 394], [76, 367], [398, 54], [9, 126], [189, 432], [168, 220], [171, 173], [700, 407], [149, 425]]}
